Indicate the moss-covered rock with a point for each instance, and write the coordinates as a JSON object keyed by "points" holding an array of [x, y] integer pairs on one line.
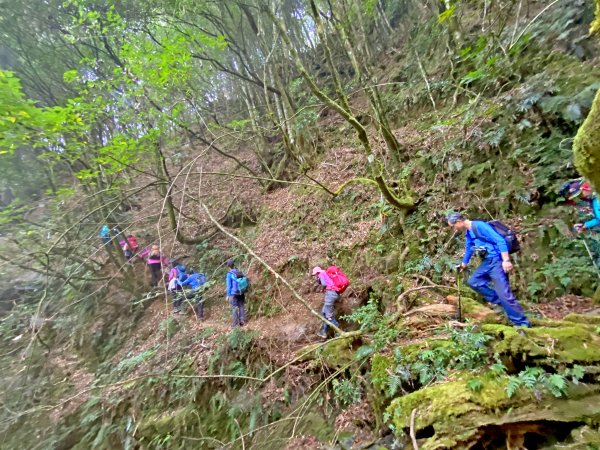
{"points": [[571, 343], [583, 318], [380, 370], [334, 354], [584, 438], [458, 414]]}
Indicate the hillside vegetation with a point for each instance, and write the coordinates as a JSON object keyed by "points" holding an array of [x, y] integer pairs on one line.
{"points": [[286, 135]]}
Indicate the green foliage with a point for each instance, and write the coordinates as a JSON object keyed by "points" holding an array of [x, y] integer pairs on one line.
{"points": [[346, 392], [537, 380], [241, 340], [474, 384], [467, 351], [558, 276], [129, 363], [169, 327], [370, 319]]}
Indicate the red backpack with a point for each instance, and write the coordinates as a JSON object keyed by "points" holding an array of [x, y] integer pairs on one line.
{"points": [[339, 279]]}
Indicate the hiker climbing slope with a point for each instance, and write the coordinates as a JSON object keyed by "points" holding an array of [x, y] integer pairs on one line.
{"points": [[335, 283], [177, 275], [483, 240], [195, 281], [237, 283]]}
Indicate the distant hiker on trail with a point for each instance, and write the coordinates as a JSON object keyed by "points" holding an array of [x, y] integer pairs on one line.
{"points": [[177, 275], [483, 240], [129, 246], [154, 262], [133, 244], [335, 282], [237, 284], [105, 235], [195, 281]]}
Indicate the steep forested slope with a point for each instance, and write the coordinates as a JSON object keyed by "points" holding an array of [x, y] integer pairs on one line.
{"points": [[287, 135]]}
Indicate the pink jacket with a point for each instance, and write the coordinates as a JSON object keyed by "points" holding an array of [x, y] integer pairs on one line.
{"points": [[326, 281], [155, 259]]}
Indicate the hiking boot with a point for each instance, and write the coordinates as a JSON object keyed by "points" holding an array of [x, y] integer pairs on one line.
{"points": [[176, 311], [322, 335]]}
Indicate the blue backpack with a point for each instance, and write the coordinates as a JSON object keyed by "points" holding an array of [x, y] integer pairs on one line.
{"points": [[241, 281]]}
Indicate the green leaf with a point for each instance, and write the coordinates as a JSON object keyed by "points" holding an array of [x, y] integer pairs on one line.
{"points": [[447, 14]]}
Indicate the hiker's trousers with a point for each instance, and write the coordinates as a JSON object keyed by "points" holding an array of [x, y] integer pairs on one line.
{"points": [[328, 310], [490, 271], [238, 311]]}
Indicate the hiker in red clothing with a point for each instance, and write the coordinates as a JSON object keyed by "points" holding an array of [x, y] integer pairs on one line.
{"points": [[133, 244], [335, 283]]}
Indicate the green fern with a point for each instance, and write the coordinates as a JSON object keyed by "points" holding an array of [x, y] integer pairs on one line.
{"points": [[346, 392], [513, 386], [556, 384]]}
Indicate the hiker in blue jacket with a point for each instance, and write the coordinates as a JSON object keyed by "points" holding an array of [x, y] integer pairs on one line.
{"points": [[195, 281], [235, 298], [483, 240], [590, 229], [105, 235], [587, 195]]}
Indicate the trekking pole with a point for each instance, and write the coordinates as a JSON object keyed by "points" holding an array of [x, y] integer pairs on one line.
{"points": [[591, 257], [459, 309]]}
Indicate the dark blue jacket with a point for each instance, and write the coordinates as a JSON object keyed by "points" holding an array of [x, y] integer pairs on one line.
{"points": [[194, 280], [484, 236]]}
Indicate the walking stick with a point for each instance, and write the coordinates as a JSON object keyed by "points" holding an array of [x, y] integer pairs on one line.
{"points": [[591, 257], [459, 308]]}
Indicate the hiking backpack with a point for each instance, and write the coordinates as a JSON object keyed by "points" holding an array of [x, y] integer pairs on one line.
{"points": [[338, 278], [242, 282], [509, 235]]}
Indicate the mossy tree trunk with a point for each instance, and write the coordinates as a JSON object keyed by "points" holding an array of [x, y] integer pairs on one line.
{"points": [[587, 145]]}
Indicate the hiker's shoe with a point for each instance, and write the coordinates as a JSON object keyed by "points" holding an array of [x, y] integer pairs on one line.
{"points": [[176, 311], [322, 335]]}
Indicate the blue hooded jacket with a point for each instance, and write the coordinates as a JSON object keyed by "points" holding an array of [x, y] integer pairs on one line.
{"points": [[231, 279], [194, 280], [104, 231], [482, 235], [181, 275]]}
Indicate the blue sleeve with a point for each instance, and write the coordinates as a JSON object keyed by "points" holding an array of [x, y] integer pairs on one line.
{"points": [[487, 233], [229, 284], [187, 281], [468, 248], [592, 223]]}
